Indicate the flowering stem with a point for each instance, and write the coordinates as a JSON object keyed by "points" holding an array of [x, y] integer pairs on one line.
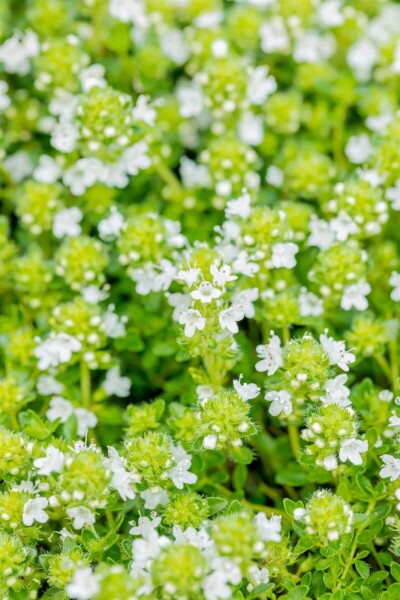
{"points": [[394, 363], [350, 558], [85, 385], [294, 440], [384, 365], [169, 178]]}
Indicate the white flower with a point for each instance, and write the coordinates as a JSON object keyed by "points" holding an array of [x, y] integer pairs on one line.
{"points": [[174, 46], [239, 207], [250, 129], [222, 275], [274, 176], [362, 57], [189, 276], [57, 349], [129, 11], [280, 403], [336, 391], [194, 175], [147, 549], [283, 255], [81, 516], [274, 36], [386, 395], [34, 511], [52, 462], [47, 385], [393, 194], [192, 319], [309, 304], [391, 467], [330, 13], [93, 295], [84, 584], [228, 318], [83, 175], [136, 158], [121, 479], [152, 499], [330, 463], [271, 355], [113, 325], [145, 279], [47, 170], [242, 264], [359, 148], [244, 299], [215, 585], [210, 441], [110, 227], [180, 303], [260, 85], [143, 112], [258, 575], [311, 47], [354, 296], [86, 420], [206, 292], [4, 99], [321, 234], [269, 530], [59, 409], [180, 474], [394, 281], [92, 77], [190, 99], [64, 137], [343, 226], [66, 222], [394, 420], [299, 514], [115, 385], [246, 391], [336, 351], [145, 526], [18, 166], [16, 52], [351, 449]]}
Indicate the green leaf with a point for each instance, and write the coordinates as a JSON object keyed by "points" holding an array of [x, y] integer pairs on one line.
{"points": [[215, 505], [377, 578], [239, 476], [297, 593], [242, 455], [365, 487], [362, 568], [395, 571], [289, 506], [292, 475], [34, 426], [260, 589], [234, 507]]}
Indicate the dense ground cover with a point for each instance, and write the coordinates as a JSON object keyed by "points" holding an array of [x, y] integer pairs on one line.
{"points": [[199, 299]]}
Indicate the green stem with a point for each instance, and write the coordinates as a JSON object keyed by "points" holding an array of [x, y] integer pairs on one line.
{"points": [[294, 440], [85, 385], [394, 364], [350, 557], [169, 178], [384, 365]]}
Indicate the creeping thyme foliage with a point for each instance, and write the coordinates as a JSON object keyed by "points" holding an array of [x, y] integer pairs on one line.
{"points": [[199, 299]]}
